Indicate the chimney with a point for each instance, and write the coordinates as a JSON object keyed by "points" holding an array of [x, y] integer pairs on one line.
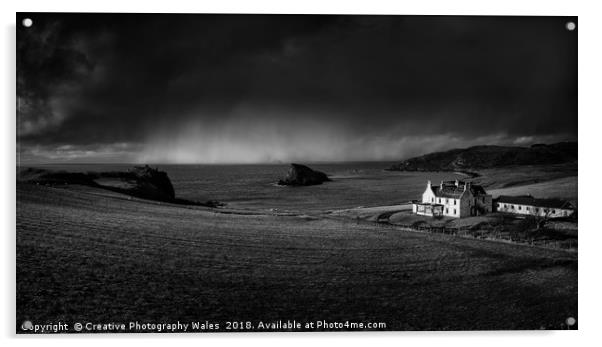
{"points": [[457, 182], [441, 186], [465, 185], [428, 184]]}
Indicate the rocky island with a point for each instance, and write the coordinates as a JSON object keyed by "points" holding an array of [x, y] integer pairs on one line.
{"points": [[301, 175]]}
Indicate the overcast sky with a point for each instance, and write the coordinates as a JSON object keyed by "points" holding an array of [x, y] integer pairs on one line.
{"points": [[270, 88]]}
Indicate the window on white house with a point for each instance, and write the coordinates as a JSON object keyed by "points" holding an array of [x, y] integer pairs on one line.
{"points": [[446, 211], [454, 211], [455, 202], [520, 208]]}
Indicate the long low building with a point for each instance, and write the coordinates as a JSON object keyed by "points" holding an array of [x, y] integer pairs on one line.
{"points": [[528, 205]]}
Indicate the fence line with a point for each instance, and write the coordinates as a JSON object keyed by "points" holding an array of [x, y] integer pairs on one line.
{"points": [[467, 232]]}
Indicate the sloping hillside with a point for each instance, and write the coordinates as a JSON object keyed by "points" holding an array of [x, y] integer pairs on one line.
{"points": [[489, 157], [163, 262]]}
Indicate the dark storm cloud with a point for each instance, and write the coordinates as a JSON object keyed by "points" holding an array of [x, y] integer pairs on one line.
{"points": [[207, 87]]}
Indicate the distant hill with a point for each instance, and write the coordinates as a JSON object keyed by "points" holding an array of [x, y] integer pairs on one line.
{"points": [[489, 157]]}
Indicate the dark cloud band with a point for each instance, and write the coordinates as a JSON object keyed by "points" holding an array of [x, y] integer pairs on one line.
{"points": [[104, 79]]}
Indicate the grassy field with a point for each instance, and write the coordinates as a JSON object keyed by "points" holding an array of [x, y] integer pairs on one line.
{"points": [[564, 188], [503, 227], [541, 181], [523, 175], [86, 255]]}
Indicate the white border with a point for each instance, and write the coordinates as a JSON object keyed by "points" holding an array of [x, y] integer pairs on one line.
{"points": [[590, 59]]}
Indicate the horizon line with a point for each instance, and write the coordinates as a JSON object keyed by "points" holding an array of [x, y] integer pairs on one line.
{"points": [[212, 164]]}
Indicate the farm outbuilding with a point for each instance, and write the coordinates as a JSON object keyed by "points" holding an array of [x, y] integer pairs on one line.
{"points": [[528, 205]]}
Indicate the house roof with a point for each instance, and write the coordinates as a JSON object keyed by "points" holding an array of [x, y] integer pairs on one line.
{"points": [[531, 201], [454, 189], [448, 192]]}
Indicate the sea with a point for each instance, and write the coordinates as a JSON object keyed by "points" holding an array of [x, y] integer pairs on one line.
{"points": [[253, 186]]}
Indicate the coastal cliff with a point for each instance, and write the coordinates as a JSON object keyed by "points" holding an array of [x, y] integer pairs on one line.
{"points": [[141, 181]]}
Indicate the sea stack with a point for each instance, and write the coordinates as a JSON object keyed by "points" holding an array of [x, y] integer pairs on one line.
{"points": [[301, 175]]}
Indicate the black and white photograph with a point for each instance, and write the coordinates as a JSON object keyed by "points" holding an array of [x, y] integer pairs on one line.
{"points": [[288, 173]]}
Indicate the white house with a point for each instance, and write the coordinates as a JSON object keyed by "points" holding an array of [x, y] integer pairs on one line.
{"points": [[528, 205], [453, 199]]}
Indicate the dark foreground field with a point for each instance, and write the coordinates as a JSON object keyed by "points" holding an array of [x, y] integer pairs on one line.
{"points": [[86, 255]]}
